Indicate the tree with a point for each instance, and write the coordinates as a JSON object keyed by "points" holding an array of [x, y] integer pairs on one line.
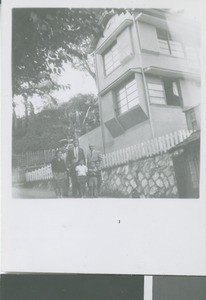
{"points": [[77, 116], [46, 38]]}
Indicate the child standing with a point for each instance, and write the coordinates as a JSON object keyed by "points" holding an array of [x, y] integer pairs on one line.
{"points": [[81, 171], [92, 172]]}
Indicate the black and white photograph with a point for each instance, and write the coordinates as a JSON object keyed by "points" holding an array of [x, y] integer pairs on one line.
{"points": [[103, 150], [105, 103]]}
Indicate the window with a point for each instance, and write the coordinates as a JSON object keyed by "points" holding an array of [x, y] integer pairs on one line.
{"points": [[172, 92], [165, 91], [167, 46], [193, 120], [127, 96], [156, 93], [111, 59]]}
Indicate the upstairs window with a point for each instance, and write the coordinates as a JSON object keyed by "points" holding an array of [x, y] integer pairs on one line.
{"points": [[167, 45], [127, 96], [193, 118], [156, 93], [111, 59], [165, 91], [172, 92]]}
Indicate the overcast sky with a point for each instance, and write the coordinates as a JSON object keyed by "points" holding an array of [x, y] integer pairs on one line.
{"points": [[80, 82]]}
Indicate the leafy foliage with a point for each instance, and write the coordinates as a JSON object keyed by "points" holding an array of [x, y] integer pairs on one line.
{"points": [[46, 38], [75, 117], [43, 39]]}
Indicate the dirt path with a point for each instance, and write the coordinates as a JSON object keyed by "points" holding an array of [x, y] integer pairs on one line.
{"points": [[22, 192]]}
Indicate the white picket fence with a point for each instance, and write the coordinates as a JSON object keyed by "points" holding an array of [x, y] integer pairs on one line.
{"points": [[43, 173], [145, 149]]}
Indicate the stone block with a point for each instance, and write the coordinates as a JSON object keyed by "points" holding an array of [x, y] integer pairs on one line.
{"points": [[168, 193], [174, 190], [162, 163], [118, 181], [139, 189], [144, 182], [147, 175], [155, 176], [126, 170], [133, 184], [159, 183], [153, 190], [171, 180], [129, 190], [166, 183], [146, 167], [167, 171], [129, 176], [146, 190], [151, 183], [118, 170], [140, 176], [142, 196], [127, 183]]}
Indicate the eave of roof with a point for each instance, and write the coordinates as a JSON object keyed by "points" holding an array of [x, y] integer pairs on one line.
{"points": [[194, 137]]}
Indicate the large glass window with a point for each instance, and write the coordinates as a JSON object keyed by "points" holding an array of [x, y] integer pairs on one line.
{"points": [[111, 59], [127, 96], [167, 45]]}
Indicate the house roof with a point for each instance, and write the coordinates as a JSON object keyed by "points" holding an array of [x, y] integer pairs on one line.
{"points": [[194, 137], [110, 13]]}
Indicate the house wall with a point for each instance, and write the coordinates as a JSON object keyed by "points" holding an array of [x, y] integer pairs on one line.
{"points": [[132, 136], [152, 177], [92, 137], [179, 287], [191, 92], [167, 119]]}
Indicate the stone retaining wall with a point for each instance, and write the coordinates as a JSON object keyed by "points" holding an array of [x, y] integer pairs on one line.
{"points": [[151, 177]]}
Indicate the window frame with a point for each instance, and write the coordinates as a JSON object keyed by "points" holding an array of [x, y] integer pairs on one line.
{"points": [[107, 51], [123, 86], [162, 84], [166, 36]]}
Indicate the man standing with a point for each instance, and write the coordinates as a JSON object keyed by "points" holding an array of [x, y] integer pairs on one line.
{"points": [[93, 155], [74, 155]]}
